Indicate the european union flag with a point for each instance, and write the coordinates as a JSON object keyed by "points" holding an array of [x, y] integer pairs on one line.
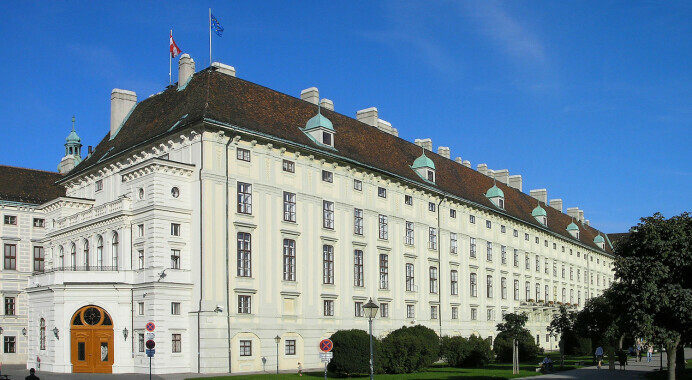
{"points": [[215, 26]]}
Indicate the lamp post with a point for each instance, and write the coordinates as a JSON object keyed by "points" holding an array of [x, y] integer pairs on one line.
{"points": [[277, 339], [370, 312]]}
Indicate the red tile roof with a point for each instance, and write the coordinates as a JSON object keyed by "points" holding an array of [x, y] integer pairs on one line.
{"points": [[216, 97], [29, 185]]}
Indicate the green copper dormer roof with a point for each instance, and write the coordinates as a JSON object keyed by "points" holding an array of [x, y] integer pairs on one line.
{"points": [[598, 239], [72, 138], [319, 121], [539, 211], [495, 192], [423, 162], [572, 227]]}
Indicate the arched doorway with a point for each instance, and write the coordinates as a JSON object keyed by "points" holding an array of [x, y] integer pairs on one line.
{"points": [[91, 340]]}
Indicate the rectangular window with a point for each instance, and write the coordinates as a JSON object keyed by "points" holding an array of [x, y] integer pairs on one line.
{"points": [[433, 280], [327, 176], [328, 308], [537, 240], [527, 262], [289, 207], [516, 258], [384, 271], [10, 344], [328, 214], [409, 233], [357, 185], [289, 166], [11, 256], [489, 286], [473, 285], [489, 251], [410, 278], [410, 311], [244, 198], [175, 259], [289, 260], [358, 309], [140, 254], [491, 314], [431, 206], [527, 289], [472, 219], [384, 310], [358, 221], [9, 306], [503, 288], [140, 308], [454, 286], [382, 192], [503, 254], [176, 343], [383, 227], [140, 230], [563, 271], [244, 255], [516, 233], [516, 290], [328, 264], [526, 237], [358, 275], [538, 264], [245, 348], [433, 238], [571, 273], [474, 314], [433, 312], [453, 243], [503, 229], [141, 342], [452, 213], [472, 250], [99, 185], [290, 347], [39, 223], [244, 304], [243, 154], [488, 224], [455, 312], [408, 200], [175, 229], [175, 308], [39, 259]]}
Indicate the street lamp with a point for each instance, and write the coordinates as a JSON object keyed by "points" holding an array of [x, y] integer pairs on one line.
{"points": [[277, 339], [370, 312]]}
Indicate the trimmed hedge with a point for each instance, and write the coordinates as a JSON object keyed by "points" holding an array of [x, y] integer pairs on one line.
{"points": [[410, 349], [503, 347], [352, 353]]}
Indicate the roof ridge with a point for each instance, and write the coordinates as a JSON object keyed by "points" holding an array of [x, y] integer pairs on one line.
{"points": [[23, 168]]}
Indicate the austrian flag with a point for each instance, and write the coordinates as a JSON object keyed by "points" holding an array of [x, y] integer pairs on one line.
{"points": [[175, 50]]}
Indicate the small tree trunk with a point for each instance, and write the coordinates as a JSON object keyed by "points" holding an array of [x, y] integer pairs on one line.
{"points": [[680, 361], [562, 352], [671, 350], [611, 359]]}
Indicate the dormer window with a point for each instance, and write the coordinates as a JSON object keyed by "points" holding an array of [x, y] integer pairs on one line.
{"points": [[320, 130], [496, 196], [431, 176], [327, 138], [540, 215], [425, 168], [501, 203], [600, 242], [573, 229]]}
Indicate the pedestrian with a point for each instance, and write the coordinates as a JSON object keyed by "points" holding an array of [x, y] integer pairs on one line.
{"points": [[639, 349], [300, 369], [649, 352], [622, 357], [599, 356], [32, 375]]}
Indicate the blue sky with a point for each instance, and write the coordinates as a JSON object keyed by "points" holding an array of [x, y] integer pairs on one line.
{"points": [[590, 99]]}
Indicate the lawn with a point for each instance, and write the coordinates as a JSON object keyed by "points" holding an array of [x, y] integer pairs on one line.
{"points": [[438, 371], [661, 375]]}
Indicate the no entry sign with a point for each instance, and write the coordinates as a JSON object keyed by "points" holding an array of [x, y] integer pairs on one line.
{"points": [[151, 326]]}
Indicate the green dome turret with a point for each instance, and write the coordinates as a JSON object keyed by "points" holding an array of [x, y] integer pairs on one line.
{"points": [[572, 227], [319, 121], [495, 192], [599, 239], [72, 138], [538, 211], [423, 162]]}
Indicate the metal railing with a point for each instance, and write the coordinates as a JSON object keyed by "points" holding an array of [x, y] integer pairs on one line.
{"points": [[88, 268]]}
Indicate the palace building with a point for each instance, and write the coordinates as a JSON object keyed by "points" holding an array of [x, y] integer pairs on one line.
{"points": [[230, 214]]}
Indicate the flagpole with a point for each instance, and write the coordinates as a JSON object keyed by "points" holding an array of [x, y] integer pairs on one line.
{"points": [[209, 37], [170, 62]]}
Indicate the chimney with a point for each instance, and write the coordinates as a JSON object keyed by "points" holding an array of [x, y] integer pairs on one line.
{"points": [[186, 68], [224, 69], [368, 116], [587, 222], [458, 160], [443, 151], [540, 194], [386, 126], [425, 143], [467, 163], [122, 103], [311, 95], [581, 216], [502, 175], [327, 104], [482, 168], [515, 181], [573, 212], [556, 204]]}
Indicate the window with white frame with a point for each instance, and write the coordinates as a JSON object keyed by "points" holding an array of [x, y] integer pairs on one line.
{"points": [[384, 271], [358, 221], [99, 185], [527, 262], [358, 308], [245, 348], [433, 280], [327, 176], [516, 290], [408, 200], [289, 207], [491, 314], [410, 311], [503, 288], [454, 282], [474, 314], [175, 308], [327, 264], [358, 275], [244, 198], [455, 312], [503, 229], [503, 254], [175, 229], [244, 304], [140, 253], [140, 230], [489, 286], [452, 213], [140, 341], [410, 278], [431, 206], [489, 251], [473, 285], [384, 310], [472, 250], [382, 192], [432, 238], [328, 308], [175, 259], [526, 236], [409, 233], [488, 224], [516, 258], [328, 214], [527, 288], [357, 185], [472, 219], [290, 347], [289, 166], [244, 255], [289, 260], [140, 308], [433, 312], [242, 154], [453, 243], [384, 234]]}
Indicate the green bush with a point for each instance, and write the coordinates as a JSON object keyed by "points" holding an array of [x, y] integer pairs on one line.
{"points": [[352, 352], [454, 350], [577, 345], [479, 352], [410, 349], [503, 347]]}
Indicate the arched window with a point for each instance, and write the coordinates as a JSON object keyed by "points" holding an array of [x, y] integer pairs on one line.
{"points": [[86, 253], [42, 334], [61, 257], [99, 252], [114, 250], [73, 257]]}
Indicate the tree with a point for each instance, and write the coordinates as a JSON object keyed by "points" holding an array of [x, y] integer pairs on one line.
{"points": [[514, 327], [655, 268], [561, 324], [410, 349], [351, 352]]}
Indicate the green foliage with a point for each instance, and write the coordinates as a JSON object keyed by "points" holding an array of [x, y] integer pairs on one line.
{"points": [[503, 346], [514, 323], [410, 349], [479, 352], [454, 350], [598, 320], [352, 352], [576, 344]]}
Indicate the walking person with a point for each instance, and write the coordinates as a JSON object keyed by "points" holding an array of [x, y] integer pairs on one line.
{"points": [[599, 356], [300, 369], [622, 357], [639, 349], [32, 375], [649, 353]]}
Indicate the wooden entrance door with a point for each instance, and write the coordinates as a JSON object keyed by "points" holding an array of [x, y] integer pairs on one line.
{"points": [[92, 340]]}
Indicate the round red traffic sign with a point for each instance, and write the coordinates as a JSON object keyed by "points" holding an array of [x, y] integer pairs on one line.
{"points": [[151, 344], [326, 345], [151, 326]]}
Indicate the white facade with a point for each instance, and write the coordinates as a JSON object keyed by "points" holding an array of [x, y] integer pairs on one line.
{"points": [[277, 240]]}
